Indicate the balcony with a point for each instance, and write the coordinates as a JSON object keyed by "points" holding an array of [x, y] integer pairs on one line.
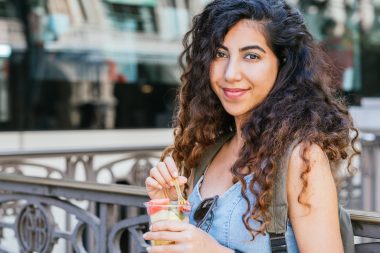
{"points": [[91, 200]]}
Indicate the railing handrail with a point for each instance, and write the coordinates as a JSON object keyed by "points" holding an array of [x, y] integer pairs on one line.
{"points": [[78, 151], [365, 216], [71, 189], [74, 184]]}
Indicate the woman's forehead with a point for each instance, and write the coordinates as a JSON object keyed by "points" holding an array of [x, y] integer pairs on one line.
{"points": [[244, 31]]}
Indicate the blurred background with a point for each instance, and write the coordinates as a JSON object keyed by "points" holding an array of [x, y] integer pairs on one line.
{"points": [[87, 91], [112, 64]]}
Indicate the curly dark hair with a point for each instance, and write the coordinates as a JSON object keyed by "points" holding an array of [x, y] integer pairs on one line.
{"points": [[302, 105]]}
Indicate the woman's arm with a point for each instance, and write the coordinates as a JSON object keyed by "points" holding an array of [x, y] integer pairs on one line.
{"points": [[316, 227]]}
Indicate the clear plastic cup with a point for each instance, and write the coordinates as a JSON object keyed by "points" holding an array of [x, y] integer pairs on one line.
{"points": [[164, 209]]}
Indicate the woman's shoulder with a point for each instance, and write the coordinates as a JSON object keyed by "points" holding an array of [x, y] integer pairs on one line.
{"points": [[302, 152], [308, 162], [309, 172]]}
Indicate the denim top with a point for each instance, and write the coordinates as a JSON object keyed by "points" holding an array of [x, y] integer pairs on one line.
{"points": [[227, 226]]}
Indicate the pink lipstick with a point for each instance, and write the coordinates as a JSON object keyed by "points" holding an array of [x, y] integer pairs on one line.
{"points": [[234, 93]]}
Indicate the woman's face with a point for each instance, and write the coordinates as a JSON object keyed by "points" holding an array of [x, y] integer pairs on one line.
{"points": [[244, 69]]}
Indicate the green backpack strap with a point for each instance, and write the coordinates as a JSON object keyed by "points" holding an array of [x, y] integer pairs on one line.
{"points": [[209, 155], [346, 230], [278, 208]]}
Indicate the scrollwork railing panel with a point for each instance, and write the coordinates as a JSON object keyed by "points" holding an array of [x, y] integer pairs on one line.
{"points": [[37, 228], [135, 228]]}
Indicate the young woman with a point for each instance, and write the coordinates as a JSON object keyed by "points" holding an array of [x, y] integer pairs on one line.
{"points": [[254, 78]]}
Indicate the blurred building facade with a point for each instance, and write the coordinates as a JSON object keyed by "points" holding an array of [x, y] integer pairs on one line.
{"points": [[112, 64]]}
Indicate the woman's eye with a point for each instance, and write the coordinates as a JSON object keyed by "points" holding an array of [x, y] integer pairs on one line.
{"points": [[220, 54], [252, 57]]}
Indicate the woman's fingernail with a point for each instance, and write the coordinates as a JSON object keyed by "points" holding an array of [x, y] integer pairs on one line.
{"points": [[144, 235], [150, 227], [148, 249], [175, 174]]}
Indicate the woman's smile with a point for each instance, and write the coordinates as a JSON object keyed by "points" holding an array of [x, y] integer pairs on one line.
{"points": [[234, 93]]}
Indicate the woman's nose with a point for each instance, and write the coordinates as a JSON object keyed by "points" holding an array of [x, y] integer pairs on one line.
{"points": [[232, 72]]}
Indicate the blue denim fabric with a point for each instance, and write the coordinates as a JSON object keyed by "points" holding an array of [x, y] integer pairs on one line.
{"points": [[227, 226]]}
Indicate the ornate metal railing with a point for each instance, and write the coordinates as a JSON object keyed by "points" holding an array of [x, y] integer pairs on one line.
{"points": [[369, 173], [80, 168], [76, 203], [36, 226], [361, 191], [130, 165]]}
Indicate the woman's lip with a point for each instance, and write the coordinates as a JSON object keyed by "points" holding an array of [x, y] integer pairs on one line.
{"points": [[234, 92]]}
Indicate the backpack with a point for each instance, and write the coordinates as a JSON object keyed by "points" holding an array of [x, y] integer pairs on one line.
{"points": [[278, 209]]}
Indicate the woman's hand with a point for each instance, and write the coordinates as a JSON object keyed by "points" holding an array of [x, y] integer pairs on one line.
{"points": [[159, 184], [187, 238]]}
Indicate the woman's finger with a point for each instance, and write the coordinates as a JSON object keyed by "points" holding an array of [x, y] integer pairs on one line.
{"points": [[172, 248], [169, 225], [170, 164], [155, 173], [163, 236], [182, 180], [161, 166], [150, 182]]}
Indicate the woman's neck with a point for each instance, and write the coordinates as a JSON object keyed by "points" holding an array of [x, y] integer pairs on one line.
{"points": [[237, 140]]}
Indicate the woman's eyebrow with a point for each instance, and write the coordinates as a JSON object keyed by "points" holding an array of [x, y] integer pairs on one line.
{"points": [[223, 47], [252, 47]]}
